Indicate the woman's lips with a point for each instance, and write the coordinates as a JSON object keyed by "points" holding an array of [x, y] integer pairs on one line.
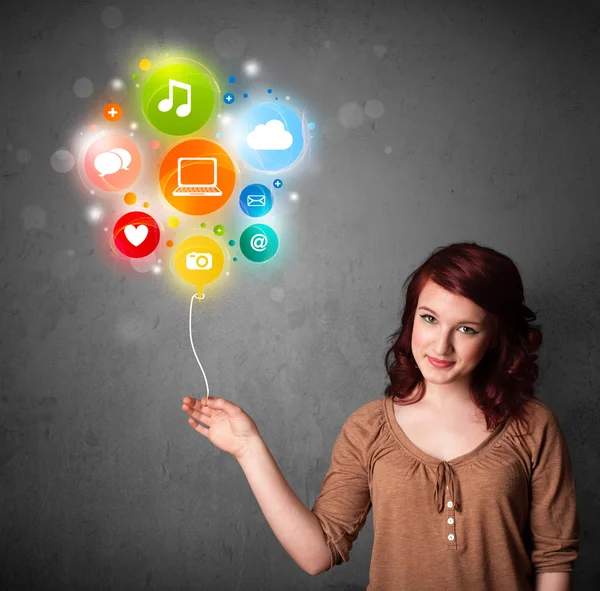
{"points": [[439, 364]]}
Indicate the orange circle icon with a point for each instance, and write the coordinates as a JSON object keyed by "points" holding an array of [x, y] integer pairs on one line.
{"points": [[113, 112], [197, 177]]}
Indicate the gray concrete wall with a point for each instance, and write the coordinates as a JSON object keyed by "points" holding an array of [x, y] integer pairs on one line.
{"points": [[490, 133]]}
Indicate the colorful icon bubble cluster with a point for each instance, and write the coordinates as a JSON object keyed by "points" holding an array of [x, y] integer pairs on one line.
{"points": [[183, 106]]}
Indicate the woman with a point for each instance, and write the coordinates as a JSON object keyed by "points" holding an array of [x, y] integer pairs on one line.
{"points": [[468, 473]]}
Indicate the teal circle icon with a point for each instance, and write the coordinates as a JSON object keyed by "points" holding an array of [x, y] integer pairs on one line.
{"points": [[178, 99], [259, 243]]}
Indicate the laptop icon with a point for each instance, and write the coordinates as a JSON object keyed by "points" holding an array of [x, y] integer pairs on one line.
{"points": [[197, 177]]}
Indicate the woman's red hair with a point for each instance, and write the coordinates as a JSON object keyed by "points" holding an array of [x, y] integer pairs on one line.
{"points": [[503, 380]]}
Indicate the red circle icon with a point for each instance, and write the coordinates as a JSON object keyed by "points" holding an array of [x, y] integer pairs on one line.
{"points": [[136, 234]]}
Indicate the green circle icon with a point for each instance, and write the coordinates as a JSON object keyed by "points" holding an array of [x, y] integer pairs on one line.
{"points": [[259, 243], [178, 99]]}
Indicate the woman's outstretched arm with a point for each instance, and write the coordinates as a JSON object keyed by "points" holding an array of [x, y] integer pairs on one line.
{"points": [[231, 429], [295, 526]]}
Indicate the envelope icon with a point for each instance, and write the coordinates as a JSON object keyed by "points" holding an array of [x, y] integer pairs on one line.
{"points": [[256, 200]]}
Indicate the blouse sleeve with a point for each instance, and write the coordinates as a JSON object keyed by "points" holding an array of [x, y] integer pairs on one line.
{"points": [[553, 517], [344, 499]]}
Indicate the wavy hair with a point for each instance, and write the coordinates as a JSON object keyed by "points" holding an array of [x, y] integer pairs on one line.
{"points": [[503, 380]]}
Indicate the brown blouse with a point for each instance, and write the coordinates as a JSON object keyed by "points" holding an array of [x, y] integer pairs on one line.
{"points": [[489, 519]]}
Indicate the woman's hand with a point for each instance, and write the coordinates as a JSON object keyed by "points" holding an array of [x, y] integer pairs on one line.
{"points": [[230, 428]]}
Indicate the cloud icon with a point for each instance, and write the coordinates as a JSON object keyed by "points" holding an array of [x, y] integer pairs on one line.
{"points": [[272, 136]]}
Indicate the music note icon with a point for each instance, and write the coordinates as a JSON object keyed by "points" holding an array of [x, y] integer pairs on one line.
{"points": [[182, 110]]}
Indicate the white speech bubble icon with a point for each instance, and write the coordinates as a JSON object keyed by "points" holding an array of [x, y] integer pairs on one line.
{"points": [[107, 163], [124, 155]]}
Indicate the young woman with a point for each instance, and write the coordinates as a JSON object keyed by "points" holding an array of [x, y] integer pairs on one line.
{"points": [[467, 472]]}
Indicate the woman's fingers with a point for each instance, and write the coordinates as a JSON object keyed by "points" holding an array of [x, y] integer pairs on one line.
{"points": [[193, 402], [198, 427], [198, 402], [201, 413], [222, 404], [203, 410]]}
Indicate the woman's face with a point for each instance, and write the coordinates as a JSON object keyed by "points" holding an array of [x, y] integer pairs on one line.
{"points": [[453, 329]]}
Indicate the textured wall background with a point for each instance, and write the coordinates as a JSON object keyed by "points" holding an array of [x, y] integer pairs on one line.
{"points": [[490, 133]]}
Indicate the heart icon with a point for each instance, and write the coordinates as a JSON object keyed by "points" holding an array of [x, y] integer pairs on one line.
{"points": [[136, 235]]}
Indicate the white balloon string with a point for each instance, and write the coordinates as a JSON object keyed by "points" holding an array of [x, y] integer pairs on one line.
{"points": [[192, 341]]}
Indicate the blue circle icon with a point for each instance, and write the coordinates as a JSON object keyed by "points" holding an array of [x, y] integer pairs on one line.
{"points": [[256, 200], [271, 137], [228, 98], [278, 183]]}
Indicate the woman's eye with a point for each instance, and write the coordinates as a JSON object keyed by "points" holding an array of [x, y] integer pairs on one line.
{"points": [[472, 331], [425, 316]]}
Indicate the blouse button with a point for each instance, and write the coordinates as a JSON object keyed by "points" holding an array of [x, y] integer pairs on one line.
{"points": [[450, 520], [451, 537], [450, 504]]}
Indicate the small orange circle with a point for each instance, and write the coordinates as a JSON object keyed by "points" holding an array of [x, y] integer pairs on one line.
{"points": [[146, 204], [169, 243], [112, 112]]}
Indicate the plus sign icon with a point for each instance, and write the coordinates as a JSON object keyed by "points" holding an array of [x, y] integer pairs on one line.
{"points": [[112, 112], [228, 98]]}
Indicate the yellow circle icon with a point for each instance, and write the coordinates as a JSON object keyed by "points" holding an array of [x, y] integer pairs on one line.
{"points": [[199, 260]]}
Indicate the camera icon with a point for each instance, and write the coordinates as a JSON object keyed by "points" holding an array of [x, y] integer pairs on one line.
{"points": [[199, 261]]}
